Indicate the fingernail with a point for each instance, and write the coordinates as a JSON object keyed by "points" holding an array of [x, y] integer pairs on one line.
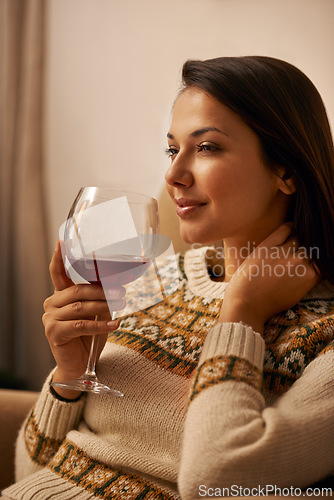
{"points": [[114, 323]]}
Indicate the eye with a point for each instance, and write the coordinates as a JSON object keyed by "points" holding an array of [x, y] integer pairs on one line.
{"points": [[206, 148], [171, 151]]}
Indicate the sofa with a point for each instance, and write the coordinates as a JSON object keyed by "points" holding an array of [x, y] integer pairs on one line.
{"points": [[14, 406]]}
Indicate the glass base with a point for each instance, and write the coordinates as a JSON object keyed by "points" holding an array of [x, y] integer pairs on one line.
{"points": [[87, 384]]}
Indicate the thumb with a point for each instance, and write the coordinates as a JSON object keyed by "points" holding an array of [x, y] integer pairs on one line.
{"points": [[58, 274]]}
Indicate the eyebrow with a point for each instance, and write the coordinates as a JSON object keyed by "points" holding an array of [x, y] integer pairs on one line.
{"points": [[199, 132]]}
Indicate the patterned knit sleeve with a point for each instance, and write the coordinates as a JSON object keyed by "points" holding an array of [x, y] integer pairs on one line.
{"points": [[233, 440], [44, 430]]}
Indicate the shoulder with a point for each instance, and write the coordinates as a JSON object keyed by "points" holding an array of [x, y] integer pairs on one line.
{"points": [[297, 337]]}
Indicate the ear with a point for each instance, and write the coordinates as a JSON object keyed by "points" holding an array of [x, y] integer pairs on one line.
{"points": [[286, 182]]}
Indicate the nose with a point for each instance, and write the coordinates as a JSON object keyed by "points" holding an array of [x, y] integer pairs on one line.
{"points": [[179, 174]]}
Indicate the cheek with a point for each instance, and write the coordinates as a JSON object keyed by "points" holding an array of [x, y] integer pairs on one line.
{"points": [[244, 193]]}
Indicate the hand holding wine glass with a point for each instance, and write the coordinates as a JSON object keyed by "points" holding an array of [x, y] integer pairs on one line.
{"points": [[109, 240], [69, 321]]}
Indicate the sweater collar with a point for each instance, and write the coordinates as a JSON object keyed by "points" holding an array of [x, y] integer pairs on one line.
{"points": [[199, 281]]}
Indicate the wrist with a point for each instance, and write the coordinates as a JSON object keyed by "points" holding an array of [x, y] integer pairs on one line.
{"points": [[239, 312], [61, 377], [62, 398]]}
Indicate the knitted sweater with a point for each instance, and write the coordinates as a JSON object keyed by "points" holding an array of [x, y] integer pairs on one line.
{"points": [[206, 405]]}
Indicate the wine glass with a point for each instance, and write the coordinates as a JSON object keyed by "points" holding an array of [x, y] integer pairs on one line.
{"points": [[110, 238]]}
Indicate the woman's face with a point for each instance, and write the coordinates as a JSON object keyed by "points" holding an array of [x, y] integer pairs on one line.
{"points": [[218, 179]]}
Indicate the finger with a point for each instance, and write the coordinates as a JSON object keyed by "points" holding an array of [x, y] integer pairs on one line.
{"points": [[61, 333], [290, 248], [87, 310], [310, 266], [312, 274], [58, 274], [83, 310], [299, 252], [279, 236], [81, 292]]}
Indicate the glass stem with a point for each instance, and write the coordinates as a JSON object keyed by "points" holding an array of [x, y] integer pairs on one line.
{"points": [[91, 363], [90, 370]]}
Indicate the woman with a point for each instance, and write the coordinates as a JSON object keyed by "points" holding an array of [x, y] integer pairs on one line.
{"points": [[229, 382]]}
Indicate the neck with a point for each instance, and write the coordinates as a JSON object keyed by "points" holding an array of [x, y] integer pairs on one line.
{"points": [[224, 260], [238, 247], [234, 255]]}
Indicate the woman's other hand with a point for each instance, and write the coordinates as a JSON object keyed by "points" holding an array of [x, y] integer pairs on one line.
{"points": [[69, 321], [273, 278]]}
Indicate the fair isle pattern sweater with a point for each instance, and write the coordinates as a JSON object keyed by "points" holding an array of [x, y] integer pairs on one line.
{"points": [[205, 404]]}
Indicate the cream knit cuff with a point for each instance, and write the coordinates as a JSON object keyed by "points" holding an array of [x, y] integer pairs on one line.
{"points": [[234, 339], [54, 417]]}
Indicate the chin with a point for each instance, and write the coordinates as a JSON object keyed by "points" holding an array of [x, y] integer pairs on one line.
{"points": [[195, 239], [187, 239], [197, 234]]}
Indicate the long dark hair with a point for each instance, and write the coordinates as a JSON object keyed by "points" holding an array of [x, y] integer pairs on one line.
{"points": [[283, 107]]}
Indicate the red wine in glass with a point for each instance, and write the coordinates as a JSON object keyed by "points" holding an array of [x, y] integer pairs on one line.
{"points": [[118, 271]]}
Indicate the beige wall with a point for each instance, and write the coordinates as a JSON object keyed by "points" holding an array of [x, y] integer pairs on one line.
{"points": [[113, 70]]}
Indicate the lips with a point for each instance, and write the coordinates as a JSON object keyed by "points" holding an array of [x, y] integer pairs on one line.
{"points": [[187, 206]]}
